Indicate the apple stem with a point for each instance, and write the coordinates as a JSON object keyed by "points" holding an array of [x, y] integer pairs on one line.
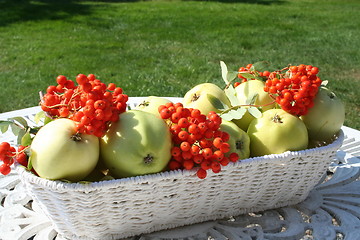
{"points": [[195, 97], [277, 119], [239, 145], [76, 137], [148, 159], [144, 103]]}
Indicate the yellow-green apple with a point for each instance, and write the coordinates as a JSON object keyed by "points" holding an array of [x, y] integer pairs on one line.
{"points": [[138, 144], [247, 89], [326, 117], [151, 104], [276, 132], [59, 152], [198, 98], [239, 140]]}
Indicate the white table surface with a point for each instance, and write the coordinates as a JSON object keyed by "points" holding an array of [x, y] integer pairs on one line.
{"points": [[331, 211]]}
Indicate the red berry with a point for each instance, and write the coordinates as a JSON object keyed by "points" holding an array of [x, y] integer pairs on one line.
{"points": [[201, 173], [5, 169], [233, 157], [61, 80], [81, 79]]}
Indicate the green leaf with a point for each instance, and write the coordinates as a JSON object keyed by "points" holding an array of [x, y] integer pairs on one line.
{"points": [[251, 99], [47, 120], [231, 94], [260, 66], [15, 129], [230, 76], [255, 112], [4, 126], [240, 112], [234, 114], [224, 72], [20, 135], [227, 116], [246, 75], [26, 139], [217, 103], [40, 115], [29, 166], [20, 120]]}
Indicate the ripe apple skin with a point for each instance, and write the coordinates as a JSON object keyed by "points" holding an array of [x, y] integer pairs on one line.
{"points": [[58, 153], [239, 140], [138, 144], [276, 132], [151, 104], [244, 91], [197, 97], [326, 117]]}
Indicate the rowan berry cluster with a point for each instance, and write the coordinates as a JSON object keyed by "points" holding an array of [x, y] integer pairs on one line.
{"points": [[92, 103], [198, 142], [8, 155], [248, 69], [294, 88]]}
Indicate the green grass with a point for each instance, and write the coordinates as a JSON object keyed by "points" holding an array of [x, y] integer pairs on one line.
{"points": [[166, 47]]}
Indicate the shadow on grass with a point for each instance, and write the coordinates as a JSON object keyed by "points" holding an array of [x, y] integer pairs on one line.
{"points": [[26, 10], [263, 2], [13, 11]]}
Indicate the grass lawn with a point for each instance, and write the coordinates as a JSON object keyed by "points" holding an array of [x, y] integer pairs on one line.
{"points": [[166, 47]]}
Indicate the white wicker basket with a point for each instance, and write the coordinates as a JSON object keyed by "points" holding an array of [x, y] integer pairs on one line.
{"points": [[132, 206]]}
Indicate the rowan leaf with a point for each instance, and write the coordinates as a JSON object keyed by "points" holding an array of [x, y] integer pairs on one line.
{"points": [[217, 103], [47, 120], [260, 66], [21, 120], [20, 135], [231, 95], [227, 116], [251, 99], [230, 76], [255, 112], [29, 166], [15, 129], [4, 126], [224, 71], [26, 139], [246, 75], [234, 114], [240, 112], [39, 116]]}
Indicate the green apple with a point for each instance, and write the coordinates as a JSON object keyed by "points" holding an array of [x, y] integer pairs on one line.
{"points": [[59, 152], [248, 89], [239, 140], [326, 117], [276, 132], [197, 97], [151, 104], [138, 144]]}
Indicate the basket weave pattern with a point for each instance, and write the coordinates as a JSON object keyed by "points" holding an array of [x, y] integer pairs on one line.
{"points": [[131, 206], [127, 207]]}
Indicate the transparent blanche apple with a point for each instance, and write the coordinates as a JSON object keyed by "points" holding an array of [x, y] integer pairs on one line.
{"points": [[59, 152], [276, 132], [239, 140], [138, 144], [326, 117], [198, 98], [247, 89], [151, 104]]}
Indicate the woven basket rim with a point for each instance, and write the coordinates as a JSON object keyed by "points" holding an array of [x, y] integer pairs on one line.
{"points": [[93, 186]]}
